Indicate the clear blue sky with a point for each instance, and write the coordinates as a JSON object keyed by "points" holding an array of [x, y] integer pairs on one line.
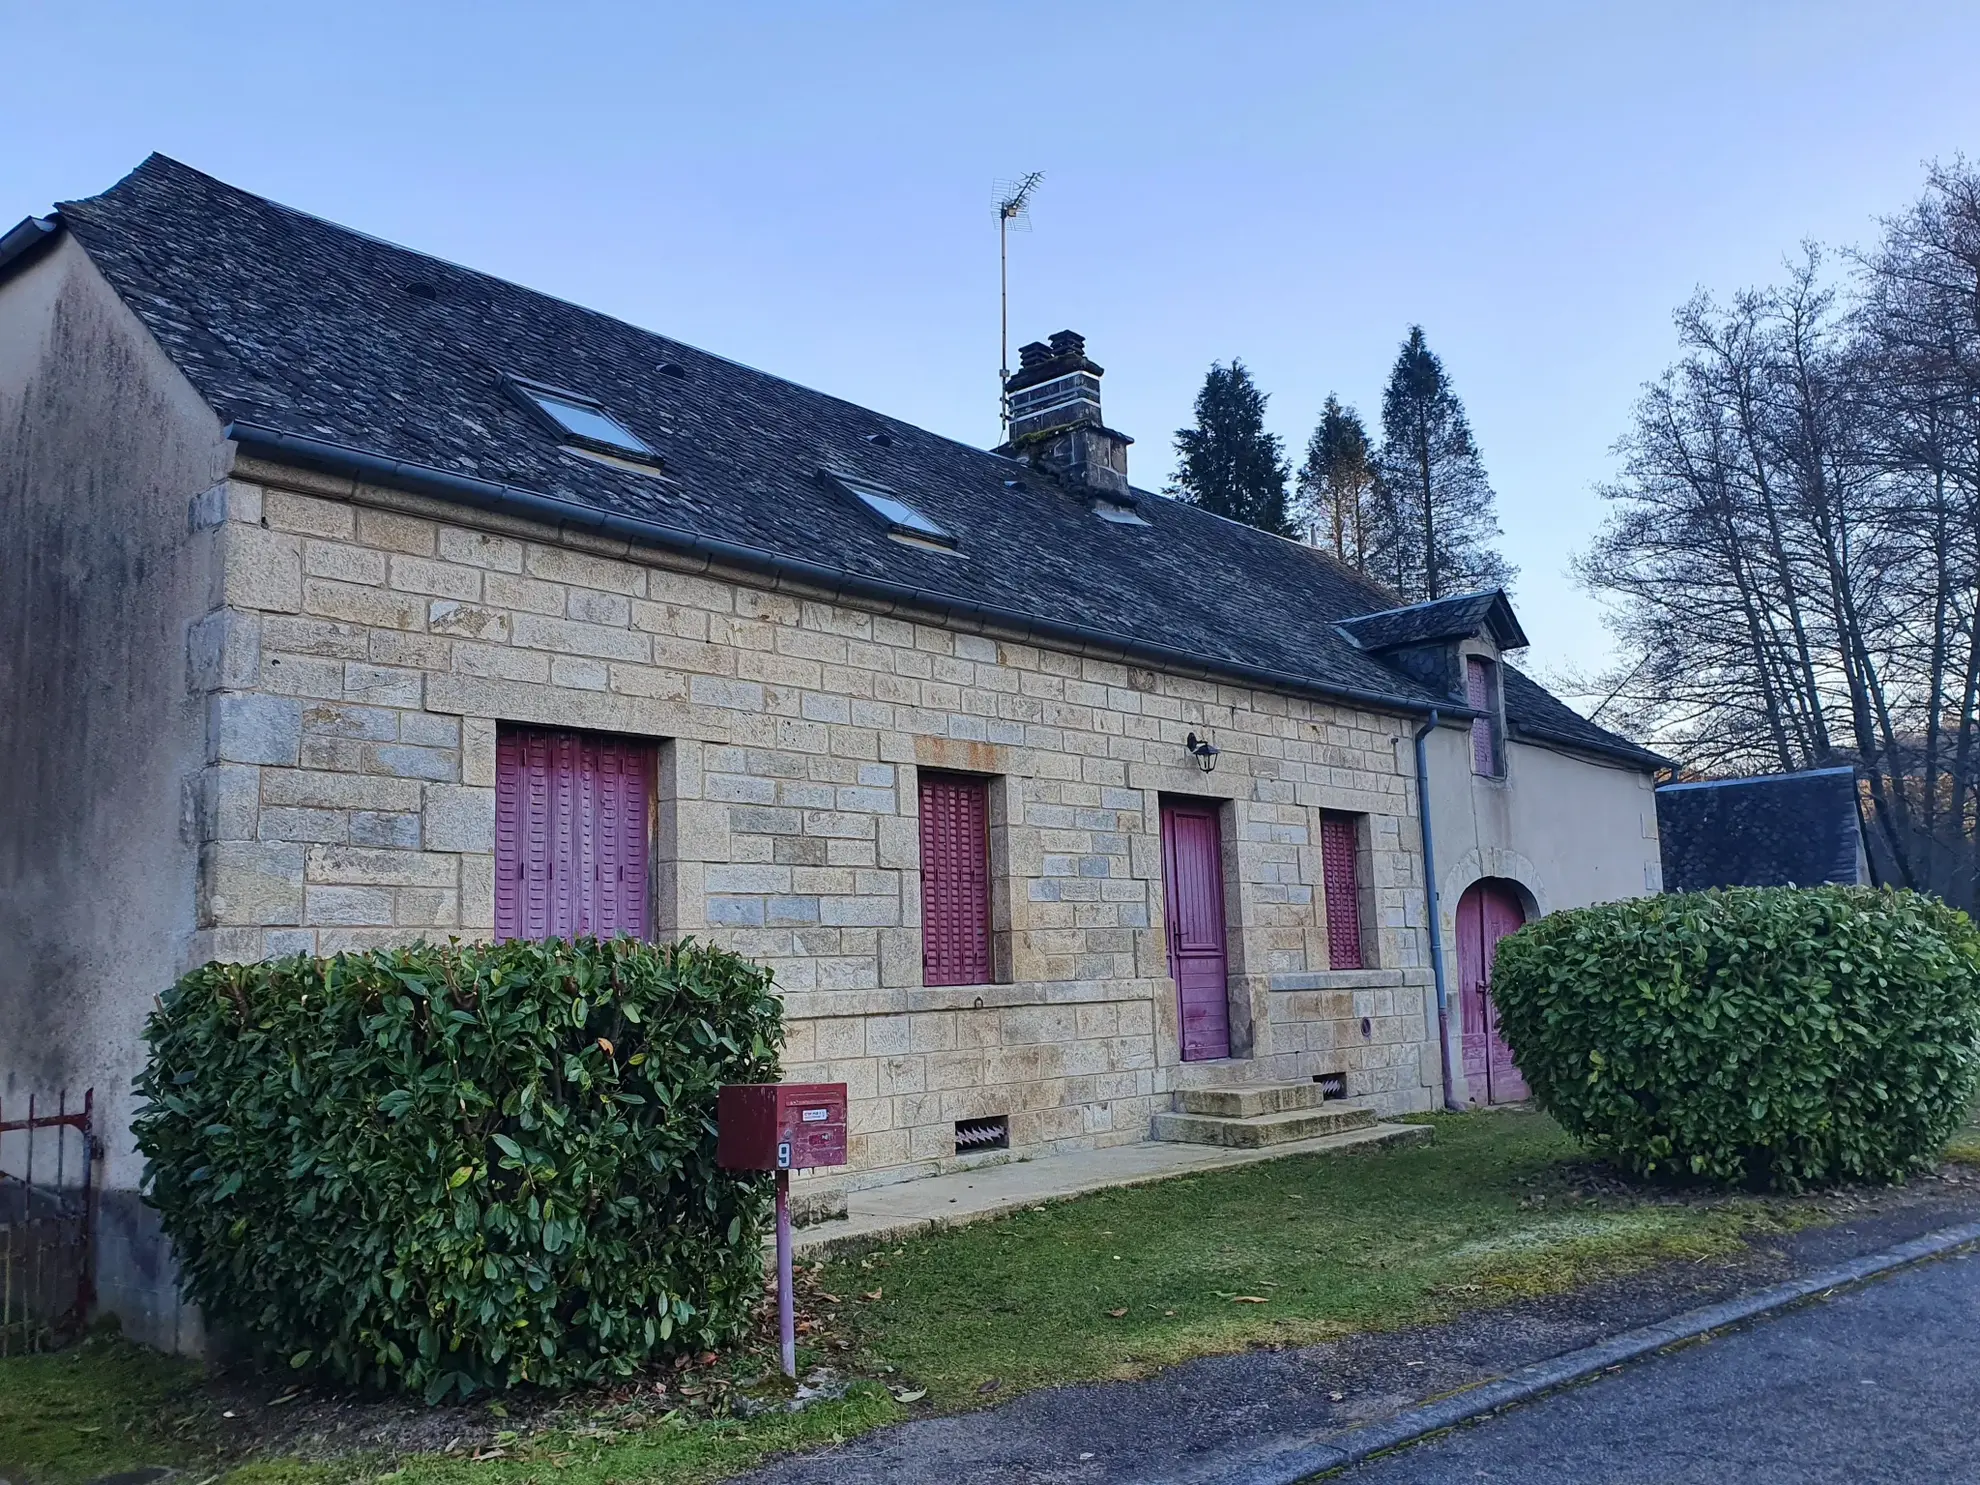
{"points": [[807, 186]]}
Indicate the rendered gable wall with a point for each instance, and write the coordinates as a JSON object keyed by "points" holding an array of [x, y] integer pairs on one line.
{"points": [[105, 453]]}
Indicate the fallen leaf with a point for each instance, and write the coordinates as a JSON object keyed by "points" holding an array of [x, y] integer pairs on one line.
{"points": [[988, 1387], [1249, 1299], [830, 1299], [873, 1293], [910, 1394], [1118, 1313], [1168, 1312], [1337, 1396]]}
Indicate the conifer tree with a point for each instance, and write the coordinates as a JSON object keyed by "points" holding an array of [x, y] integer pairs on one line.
{"points": [[1337, 484], [1436, 523], [1229, 464]]}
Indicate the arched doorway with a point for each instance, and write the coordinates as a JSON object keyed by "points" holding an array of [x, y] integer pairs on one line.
{"points": [[1488, 911]]}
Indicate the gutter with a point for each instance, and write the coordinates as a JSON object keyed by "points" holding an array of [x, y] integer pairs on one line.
{"points": [[24, 239], [1423, 732], [834, 582]]}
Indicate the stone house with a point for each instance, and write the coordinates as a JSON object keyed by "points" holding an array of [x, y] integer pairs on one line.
{"points": [[352, 596]]}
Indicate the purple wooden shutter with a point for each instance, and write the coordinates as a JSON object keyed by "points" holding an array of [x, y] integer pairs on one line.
{"points": [[1343, 891], [1478, 694], [955, 880], [572, 841]]}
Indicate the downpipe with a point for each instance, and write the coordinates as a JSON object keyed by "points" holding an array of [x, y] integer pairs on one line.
{"points": [[1451, 1104]]}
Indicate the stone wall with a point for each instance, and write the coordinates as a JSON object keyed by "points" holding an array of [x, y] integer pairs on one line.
{"points": [[374, 642]]}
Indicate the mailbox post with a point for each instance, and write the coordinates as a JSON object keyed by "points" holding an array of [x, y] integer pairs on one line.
{"points": [[782, 1127]]}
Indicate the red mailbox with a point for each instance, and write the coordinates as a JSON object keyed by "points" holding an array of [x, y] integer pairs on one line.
{"points": [[781, 1126]]}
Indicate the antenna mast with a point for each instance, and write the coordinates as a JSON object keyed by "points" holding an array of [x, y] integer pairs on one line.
{"points": [[1013, 211]]}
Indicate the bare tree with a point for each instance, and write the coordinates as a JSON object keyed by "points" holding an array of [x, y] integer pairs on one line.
{"points": [[1793, 545]]}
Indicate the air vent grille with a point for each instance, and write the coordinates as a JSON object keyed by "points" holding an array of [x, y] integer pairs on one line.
{"points": [[992, 1133]]}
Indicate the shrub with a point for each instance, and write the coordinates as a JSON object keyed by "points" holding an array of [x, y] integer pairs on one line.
{"points": [[1771, 1037], [443, 1168]]}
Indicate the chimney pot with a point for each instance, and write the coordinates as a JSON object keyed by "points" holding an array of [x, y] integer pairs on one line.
{"points": [[1054, 402]]}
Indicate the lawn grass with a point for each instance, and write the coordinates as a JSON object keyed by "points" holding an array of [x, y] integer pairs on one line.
{"points": [[1279, 1253], [91, 1410], [1122, 1282]]}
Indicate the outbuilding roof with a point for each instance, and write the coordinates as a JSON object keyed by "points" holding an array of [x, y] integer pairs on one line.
{"points": [[1769, 830], [318, 344]]}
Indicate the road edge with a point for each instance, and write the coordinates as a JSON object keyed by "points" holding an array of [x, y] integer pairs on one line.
{"points": [[1353, 1445]]}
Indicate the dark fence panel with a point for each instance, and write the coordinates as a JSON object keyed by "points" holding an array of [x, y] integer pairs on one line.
{"points": [[47, 1220]]}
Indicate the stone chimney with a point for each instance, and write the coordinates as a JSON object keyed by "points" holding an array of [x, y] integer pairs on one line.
{"points": [[1055, 417]]}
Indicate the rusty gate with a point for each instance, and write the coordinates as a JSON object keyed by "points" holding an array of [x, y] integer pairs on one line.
{"points": [[47, 1221]]}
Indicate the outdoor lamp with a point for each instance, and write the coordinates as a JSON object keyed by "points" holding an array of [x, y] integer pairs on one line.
{"points": [[1202, 750]]}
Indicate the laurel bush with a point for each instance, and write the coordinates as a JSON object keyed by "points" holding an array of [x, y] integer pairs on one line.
{"points": [[443, 1168], [1773, 1037]]}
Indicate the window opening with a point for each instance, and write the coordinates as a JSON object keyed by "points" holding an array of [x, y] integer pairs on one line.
{"points": [[1341, 876], [955, 879], [902, 519], [573, 834], [1481, 694], [583, 420]]}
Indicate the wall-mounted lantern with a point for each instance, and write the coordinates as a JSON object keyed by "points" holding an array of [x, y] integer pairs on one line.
{"points": [[1202, 750]]}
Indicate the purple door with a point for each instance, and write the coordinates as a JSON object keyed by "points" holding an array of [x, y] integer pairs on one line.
{"points": [[1193, 897], [1488, 911]]}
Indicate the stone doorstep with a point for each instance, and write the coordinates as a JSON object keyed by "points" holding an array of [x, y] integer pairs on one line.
{"points": [[1247, 1101], [891, 1214], [1259, 1130]]}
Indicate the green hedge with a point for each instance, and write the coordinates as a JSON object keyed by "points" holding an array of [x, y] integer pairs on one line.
{"points": [[437, 1169], [1771, 1037]]}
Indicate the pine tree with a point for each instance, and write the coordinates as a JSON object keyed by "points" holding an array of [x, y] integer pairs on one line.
{"points": [[1229, 464], [1337, 484], [1435, 519]]}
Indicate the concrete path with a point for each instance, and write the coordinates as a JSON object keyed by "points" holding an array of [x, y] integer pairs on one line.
{"points": [[1877, 1384], [909, 1208]]}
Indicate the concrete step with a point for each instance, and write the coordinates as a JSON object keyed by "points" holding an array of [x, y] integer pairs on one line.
{"points": [[1259, 1130], [1247, 1101]]}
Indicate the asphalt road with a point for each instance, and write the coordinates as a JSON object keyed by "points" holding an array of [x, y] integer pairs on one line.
{"points": [[1878, 1384]]}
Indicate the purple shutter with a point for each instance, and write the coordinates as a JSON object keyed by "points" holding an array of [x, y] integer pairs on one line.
{"points": [[572, 836], [1478, 695], [1343, 891], [955, 880]]}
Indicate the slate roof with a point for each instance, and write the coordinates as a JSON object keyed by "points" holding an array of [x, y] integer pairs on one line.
{"points": [[1457, 617], [1773, 830], [286, 321]]}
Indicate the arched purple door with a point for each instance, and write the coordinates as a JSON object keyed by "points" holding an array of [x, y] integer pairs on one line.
{"points": [[1488, 911]]}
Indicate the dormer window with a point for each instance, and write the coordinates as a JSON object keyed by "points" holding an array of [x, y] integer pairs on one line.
{"points": [[582, 420], [1481, 693]]}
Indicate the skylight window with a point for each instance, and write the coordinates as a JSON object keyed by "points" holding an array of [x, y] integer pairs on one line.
{"points": [[581, 420], [903, 520], [590, 423]]}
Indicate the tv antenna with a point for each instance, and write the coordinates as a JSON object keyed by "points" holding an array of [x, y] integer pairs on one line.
{"points": [[1013, 214]]}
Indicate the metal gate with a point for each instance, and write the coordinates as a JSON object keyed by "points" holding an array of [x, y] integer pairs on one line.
{"points": [[47, 1221]]}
